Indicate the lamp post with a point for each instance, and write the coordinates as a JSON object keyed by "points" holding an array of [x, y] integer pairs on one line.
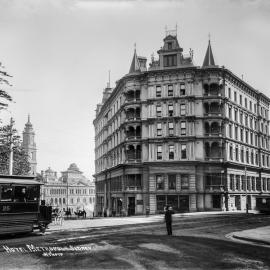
{"points": [[246, 190], [67, 195]]}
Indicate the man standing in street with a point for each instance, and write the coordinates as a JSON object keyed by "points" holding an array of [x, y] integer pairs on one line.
{"points": [[168, 219]]}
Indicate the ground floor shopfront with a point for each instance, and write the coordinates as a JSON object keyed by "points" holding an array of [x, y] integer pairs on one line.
{"points": [[187, 187], [128, 205]]}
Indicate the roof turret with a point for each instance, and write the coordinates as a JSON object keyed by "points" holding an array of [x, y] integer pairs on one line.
{"points": [[209, 58]]}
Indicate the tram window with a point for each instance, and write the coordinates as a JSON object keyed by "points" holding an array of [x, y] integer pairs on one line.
{"points": [[6, 193], [19, 194], [32, 193]]}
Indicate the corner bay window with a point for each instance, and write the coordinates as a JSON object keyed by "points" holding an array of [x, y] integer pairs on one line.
{"points": [[214, 181], [133, 180]]}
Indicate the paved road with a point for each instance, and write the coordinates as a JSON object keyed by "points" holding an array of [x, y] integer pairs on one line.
{"points": [[199, 242]]}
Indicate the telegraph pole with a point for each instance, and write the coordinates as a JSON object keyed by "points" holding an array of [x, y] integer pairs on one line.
{"points": [[10, 167]]}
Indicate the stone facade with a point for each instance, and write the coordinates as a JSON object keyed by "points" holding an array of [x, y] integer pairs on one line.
{"points": [[71, 191], [181, 135]]}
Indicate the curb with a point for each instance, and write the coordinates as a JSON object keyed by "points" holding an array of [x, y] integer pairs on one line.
{"points": [[258, 241]]}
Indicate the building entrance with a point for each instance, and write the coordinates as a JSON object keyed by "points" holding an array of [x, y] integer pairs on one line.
{"points": [[184, 203], [131, 206], [216, 201], [172, 200], [238, 202]]}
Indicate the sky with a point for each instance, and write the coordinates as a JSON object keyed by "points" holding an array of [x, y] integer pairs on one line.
{"points": [[59, 53]]}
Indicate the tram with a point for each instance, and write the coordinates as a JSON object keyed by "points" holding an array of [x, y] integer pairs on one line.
{"points": [[20, 209], [263, 203]]}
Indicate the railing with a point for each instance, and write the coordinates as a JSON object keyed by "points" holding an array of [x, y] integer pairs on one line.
{"points": [[213, 113], [132, 137], [212, 94], [133, 188], [132, 118], [214, 159], [134, 160], [132, 100], [215, 187], [214, 134]]}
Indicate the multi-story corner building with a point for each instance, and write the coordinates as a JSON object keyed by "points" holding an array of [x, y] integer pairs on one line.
{"points": [[194, 137], [71, 191]]}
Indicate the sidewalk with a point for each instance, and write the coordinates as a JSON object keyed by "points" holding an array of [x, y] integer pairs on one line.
{"points": [[259, 235], [81, 224]]}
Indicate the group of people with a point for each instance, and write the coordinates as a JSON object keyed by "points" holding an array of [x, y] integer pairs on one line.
{"points": [[58, 216]]}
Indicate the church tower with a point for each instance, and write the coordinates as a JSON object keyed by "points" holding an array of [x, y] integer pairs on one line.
{"points": [[29, 145]]}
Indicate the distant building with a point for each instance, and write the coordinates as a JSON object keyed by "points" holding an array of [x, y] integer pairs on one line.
{"points": [[71, 191], [29, 146], [193, 137]]}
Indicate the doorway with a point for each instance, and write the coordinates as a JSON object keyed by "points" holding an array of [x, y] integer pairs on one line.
{"points": [[184, 203], [131, 206], [216, 201]]}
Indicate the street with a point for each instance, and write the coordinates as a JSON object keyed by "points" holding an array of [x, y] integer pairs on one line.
{"points": [[198, 242]]}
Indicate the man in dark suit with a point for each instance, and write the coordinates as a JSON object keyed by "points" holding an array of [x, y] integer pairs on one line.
{"points": [[168, 219]]}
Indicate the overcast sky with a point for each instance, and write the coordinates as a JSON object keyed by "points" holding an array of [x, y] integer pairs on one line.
{"points": [[59, 53]]}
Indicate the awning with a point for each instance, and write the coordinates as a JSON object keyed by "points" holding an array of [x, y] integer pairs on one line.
{"points": [[19, 181]]}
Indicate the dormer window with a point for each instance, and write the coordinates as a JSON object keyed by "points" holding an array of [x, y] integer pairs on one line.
{"points": [[170, 60], [169, 45]]}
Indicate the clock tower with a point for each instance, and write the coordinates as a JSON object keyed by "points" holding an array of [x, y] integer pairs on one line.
{"points": [[29, 146]]}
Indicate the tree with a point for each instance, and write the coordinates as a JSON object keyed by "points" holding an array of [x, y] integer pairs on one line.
{"points": [[9, 136], [4, 96]]}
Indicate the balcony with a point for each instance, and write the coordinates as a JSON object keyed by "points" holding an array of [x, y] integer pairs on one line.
{"points": [[213, 129], [133, 96], [213, 151], [133, 114], [133, 133], [214, 182], [133, 153], [213, 108], [212, 90]]}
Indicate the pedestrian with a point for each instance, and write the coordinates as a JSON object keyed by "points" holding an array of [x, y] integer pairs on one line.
{"points": [[168, 219]]}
